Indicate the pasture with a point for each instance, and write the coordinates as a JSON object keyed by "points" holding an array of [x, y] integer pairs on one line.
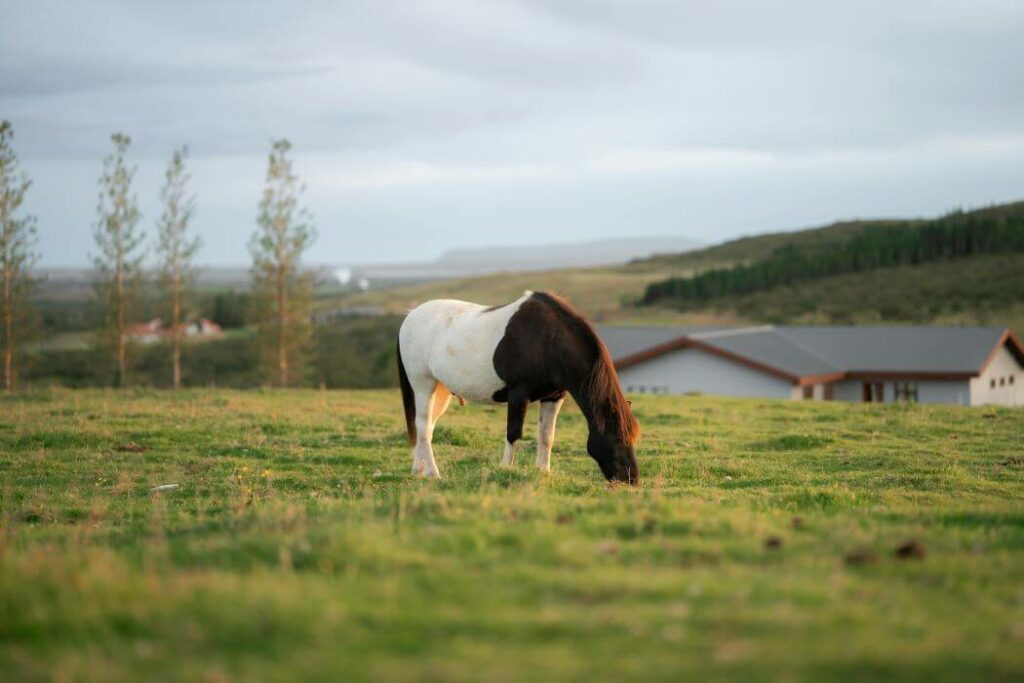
{"points": [[762, 543]]}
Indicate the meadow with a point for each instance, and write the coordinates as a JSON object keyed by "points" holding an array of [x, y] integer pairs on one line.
{"points": [[767, 540]]}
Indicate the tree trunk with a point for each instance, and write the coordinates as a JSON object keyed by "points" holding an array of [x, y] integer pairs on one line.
{"points": [[119, 306], [176, 326], [8, 306], [282, 322]]}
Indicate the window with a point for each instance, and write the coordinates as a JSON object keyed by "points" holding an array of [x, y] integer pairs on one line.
{"points": [[992, 384], [905, 392], [808, 391], [647, 389], [1002, 381], [873, 392], [1011, 380]]}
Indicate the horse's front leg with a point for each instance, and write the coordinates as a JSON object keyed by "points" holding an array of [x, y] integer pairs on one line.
{"points": [[546, 430], [423, 452], [517, 402]]}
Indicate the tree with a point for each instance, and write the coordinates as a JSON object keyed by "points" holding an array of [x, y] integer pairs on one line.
{"points": [[17, 255], [175, 249], [119, 262], [282, 292]]}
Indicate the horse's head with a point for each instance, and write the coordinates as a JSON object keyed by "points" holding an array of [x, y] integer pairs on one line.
{"points": [[617, 460]]}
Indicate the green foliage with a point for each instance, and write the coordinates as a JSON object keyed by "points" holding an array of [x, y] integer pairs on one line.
{"points": [[356, 352], [17, 256], [281, 290], [229, 309], [119, 260], [997, 230], [297, 546], [977, 290], [175, 249]]}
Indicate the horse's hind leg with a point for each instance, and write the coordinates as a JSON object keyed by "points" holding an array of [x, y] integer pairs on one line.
{"points": [[442, 399], [546, 431], [423, 452], [517, 403]]}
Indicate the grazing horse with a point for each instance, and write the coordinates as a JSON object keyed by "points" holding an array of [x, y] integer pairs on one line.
{"points": [[536, 348]]}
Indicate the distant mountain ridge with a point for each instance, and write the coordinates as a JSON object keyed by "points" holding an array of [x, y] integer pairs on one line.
{"points": [[615, 251], [458, 262]]}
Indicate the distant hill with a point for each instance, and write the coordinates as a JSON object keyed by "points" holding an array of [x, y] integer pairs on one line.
{"points": [[70, 283], [563, 255], [984, 287], [868, 247], [756, 247]]}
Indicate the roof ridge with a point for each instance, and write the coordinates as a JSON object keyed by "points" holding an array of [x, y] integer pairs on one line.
{"points": [[715, 334], [806, 349]]}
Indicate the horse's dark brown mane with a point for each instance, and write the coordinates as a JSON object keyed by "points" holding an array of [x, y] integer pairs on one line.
{"points": [[602, 384]]}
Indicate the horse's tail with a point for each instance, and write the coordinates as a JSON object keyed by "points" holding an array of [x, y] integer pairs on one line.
{"points": [[408, 397]]}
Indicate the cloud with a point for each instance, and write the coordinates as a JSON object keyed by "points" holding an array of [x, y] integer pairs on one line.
{"points": [[573, 118], [421, 173]]}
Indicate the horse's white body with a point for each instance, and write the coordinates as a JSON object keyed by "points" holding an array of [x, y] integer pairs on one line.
{"points": [[453, 342], [447, 347]]}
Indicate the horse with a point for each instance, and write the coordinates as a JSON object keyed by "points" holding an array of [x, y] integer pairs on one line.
{"points": [[536, 348]]}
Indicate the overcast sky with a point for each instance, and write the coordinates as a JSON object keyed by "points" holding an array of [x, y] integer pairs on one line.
{"points": [[420, 126]]}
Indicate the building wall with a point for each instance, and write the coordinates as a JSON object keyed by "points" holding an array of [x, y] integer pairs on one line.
{"points": [[1006, 393], [847, 390], [953, 393], [693, 370]]}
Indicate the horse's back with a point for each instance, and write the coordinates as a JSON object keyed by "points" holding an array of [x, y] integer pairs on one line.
{"points": [[453, 342]]}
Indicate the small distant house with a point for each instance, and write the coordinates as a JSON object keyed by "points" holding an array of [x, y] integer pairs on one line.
{"points": [[203, 328], [955, 365], [154, 330], [146, 333]]}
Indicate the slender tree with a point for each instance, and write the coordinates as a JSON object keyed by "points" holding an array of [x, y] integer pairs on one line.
{"points": [[282, 292], [119, 261], [17, 255], [175, 249]]}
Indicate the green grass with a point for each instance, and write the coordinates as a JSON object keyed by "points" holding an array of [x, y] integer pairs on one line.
{"points": [[298, 547]]}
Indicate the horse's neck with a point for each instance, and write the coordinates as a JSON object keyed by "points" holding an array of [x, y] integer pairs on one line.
{"points": [[582, 394]]}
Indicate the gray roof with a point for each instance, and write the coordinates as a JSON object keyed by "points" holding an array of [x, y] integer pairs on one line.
{"points": [[625, 341], [805, 351]]}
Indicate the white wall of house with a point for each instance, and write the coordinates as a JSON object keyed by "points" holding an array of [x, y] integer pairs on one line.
{"points": [[956, 392], [1006, 391], [694, 370], [928, 391], [847, 390]]}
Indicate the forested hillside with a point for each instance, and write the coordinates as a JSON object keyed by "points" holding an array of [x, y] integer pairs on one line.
{"points": [[869, 247]]}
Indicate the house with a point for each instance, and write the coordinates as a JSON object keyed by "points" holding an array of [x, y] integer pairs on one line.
{"points": [[955, 365], [147, 332], [154, 330]]}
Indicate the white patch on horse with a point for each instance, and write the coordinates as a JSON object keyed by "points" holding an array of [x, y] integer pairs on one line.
{"points": [[453, 342], [546, 431], [508, 458]]}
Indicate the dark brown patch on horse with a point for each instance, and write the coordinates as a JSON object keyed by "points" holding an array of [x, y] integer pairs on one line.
{"points": [[548, 349], [603, 386], [408, 397]]}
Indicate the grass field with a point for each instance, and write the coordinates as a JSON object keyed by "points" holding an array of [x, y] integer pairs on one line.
{"points": [[761, 543]]}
